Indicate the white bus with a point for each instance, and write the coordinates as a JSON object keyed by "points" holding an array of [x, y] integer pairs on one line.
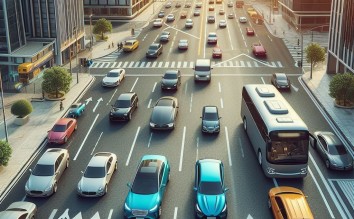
{"points": [[279, 136]]}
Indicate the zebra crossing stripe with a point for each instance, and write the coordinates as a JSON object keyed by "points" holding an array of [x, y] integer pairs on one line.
{"points": [[242, 63], [148, 65], [249, 64], [191, 64], [179, 64], [136, 64], [119, 64], [131, 64], [173, 64], [167, 64], [185, 64], [160, 64], [142, 65], [94, 65], [153, 64], [125, 64], [255, 64], [279, 64]]}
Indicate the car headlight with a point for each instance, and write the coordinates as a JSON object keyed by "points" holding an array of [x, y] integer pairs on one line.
{"points": [[100, 189], [204, 127], [152, 124], [126, 207], [48, 189], [111, 113], [225, 208], [125, 114], [170, 125], [198, 209], [154, 208], [334, 164], [175, 85]]}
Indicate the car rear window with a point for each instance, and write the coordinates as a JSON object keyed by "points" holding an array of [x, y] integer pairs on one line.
{"points": [[165, 102]]}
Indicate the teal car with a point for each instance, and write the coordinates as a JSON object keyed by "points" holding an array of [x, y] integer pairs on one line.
{"points": [[146, 193], [210, 189]]}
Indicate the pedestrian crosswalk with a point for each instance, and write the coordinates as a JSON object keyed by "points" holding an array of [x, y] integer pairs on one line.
{"points": [[184, 64], [109, 58], [295, 51]]}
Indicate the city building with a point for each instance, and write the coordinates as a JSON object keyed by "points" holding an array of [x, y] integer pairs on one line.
{"points": [[341, 37]]}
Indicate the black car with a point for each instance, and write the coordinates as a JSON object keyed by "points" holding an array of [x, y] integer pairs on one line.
{"points": [[164, 113], [210, 119], [155, 49], [124, 107], [211, 19], [280, 81], [171, 80]]}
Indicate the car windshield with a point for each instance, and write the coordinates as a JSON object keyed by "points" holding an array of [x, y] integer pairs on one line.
{"points": [[153, 47], [281, 77], [210, 188], [337, 150], [211, 116], [59, 128], [170, 75], [75, 106], [145, 183], [164, 102], [129, 43], [113, 74], [43, 170], [122, 104], [183, 41], [94, 172], [212, 34]]}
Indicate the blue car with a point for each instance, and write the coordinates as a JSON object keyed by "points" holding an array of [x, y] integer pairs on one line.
{"points": [[146, 193], [210, 189], [76, 110]]}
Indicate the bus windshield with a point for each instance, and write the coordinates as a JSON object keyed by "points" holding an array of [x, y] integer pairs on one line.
{"points": [[288, 147]]}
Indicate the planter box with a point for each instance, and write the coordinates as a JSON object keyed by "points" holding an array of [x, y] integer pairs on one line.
{"points": [[21, 121]]}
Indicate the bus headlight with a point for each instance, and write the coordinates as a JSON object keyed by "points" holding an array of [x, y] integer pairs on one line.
{"points": [[304, 170]]}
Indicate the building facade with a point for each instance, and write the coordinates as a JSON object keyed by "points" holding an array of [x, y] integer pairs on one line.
{"points": [[341, 37]]}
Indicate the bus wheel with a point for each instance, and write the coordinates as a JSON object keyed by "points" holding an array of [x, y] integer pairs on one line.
{"points": [[260, 158], [244, 123]]}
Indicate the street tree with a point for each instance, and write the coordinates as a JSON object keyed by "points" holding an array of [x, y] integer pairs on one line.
{"points": [[315, 54], [341, 88], [55, 80], [5, 153], [102, 26]]}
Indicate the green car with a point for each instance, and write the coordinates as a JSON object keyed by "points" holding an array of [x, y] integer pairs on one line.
{"points": [[146, 193], [210, 189]]}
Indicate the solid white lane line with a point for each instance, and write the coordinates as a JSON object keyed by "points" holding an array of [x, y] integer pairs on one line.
{"points": [[136, 80], [175, 213], [295, 88], [150, 139], [221, 103], [340, 199], [83, 142], [149, 103], [110, 214], [228, 146], [240, 142], [96, 143], [132, 147], [185, 89], [263, 80], [197, 149], [182, 149], [275, 182], [190, 104], [219, 87], [112, 97], [51, 216], [153, 89]]}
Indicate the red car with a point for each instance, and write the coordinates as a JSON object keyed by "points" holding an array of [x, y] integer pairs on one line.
{"points": [[62, 130], [217, 53], [258, 49], [249, 31]]}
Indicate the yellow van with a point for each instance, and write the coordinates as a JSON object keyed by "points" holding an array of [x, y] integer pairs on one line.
{"points": [[288, 203]]}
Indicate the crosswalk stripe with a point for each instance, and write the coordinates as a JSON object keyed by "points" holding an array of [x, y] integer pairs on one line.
{"points": [[167, 64], [173, 64], [242, 63], [153, 64], [185, 64], [160, 64], [125, 64], [179, 64], [148, 65], [249, 64], [142, 64], [119, 64], [255, 64], [131, 64], [279, 64], [136, 64]]}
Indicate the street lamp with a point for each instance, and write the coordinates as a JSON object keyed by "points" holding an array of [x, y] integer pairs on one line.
{"points": [[3, 109], [77, 56]]}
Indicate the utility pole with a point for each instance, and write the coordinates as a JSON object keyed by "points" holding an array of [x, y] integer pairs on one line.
{"points": [[91, 41], [77, 55], [3, 108]]}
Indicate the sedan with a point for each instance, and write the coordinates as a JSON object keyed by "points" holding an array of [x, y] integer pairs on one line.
{"points": [[168, 5], [158, 22], [147, 191], [198, 4], [217, 52], [165, 36], [19, 210], [211, 8], [258, 49], [113, 77], [183, 44], [130, 45], [155, 49], [62, 130], [170, 18], [221, 11], [189, 23], [161, 14], [249, 31], [178, 5], [210, 189], [210, 119], [243, 20], [164, 113], [280, 81], [222, 24], [231, 16], [124, 107], [230, 4], [47, 172], [94, 181], [212, 38], [188, 5], [171, 80], [332, 151], [211, 19], [196, 12], [76, 110], [183, 14]]}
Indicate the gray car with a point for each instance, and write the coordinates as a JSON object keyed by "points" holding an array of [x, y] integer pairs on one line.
{"points": [[164, 113], [210, 119], [19, 210], [94, 181], [171, 80], [47, 172], [155, 49], [331, 150]]}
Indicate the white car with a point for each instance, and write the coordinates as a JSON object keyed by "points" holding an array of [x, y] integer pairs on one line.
{"points": [[113, 78], [243, 20], [170, 18], [165, 36], [183, 44], [212, 38], [189, 23], [94, 181], [158, 22], [20, 210], [222, 23]]}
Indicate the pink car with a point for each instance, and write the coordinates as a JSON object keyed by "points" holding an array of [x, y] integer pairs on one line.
{"points": [[62, 130]]}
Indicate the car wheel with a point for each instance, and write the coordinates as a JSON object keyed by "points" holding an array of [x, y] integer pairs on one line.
{"points": [[105, 189], [66, 139], [245, 124], [160, 211], [67, 163], [328, 164], [260, 157], [55, 188], [116, 167], [129, 116]]}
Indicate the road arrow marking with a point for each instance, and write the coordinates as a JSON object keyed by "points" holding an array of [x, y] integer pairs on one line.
{"points": [[88, 100], [249, 217], [96, 216], [65, 215], [78, 216], [295, 88], [98, 102]]}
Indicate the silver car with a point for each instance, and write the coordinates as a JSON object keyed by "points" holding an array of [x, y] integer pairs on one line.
{"points": [[94, 181], [113, 78], [19, 210], [47, 172]]}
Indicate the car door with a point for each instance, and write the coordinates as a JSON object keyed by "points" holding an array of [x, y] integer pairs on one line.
{"points": [[70, 128], [162, 179], [62, 164], [197, 180], [278, 208], [57, 172], [109, 170], [322, 147]]}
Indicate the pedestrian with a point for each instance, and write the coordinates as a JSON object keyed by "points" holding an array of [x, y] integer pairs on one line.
{"points": [[112, 45], [118, 46], [61, 105], [121, 45], [109, 46]]}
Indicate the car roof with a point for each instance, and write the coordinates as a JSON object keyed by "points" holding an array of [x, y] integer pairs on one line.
{"points": [[131, 41], [118, 70], [280, 75], [167, 100], [64, 121], [99, 159], [126, 96], [171, 71], [210, 170], [210, 109], [331, 138], [50, 155]]}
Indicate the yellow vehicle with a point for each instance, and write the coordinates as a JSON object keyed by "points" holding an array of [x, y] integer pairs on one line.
{"points": [[130, 45], [27, 71], [288, 202]]}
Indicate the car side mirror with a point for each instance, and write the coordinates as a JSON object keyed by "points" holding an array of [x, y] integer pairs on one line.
{"points": [[195, 188], [129, 185], [163, 185], [30, 170], [226, 189], [82, 172]]}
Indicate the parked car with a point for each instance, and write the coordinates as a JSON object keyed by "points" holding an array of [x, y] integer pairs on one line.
{"points": [[280, 81], [130, 45], [212, 38], [210, 119], [161, 14], [178, 5], [19, 210], [231, 16], [76, 110], [158, 22], [165, 36], [209, 187], [250, 31], [170, 18], [171, 80], [189, 23], [62, 131], [331, 150], [147, 191], [243, 20], [222, 24], [183, 44], [288, 202], [155, 49], [124, 107], [258, 49], [97, 175], [218, 1], [44, 178], [164, 113], [188, 5], [196, 12], [113, 78]]}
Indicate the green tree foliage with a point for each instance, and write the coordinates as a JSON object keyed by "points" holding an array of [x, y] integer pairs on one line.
{"points": [[56, 79], [5, 153], [21, 108], [315, 54], [102, 26], [341, 88]]}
